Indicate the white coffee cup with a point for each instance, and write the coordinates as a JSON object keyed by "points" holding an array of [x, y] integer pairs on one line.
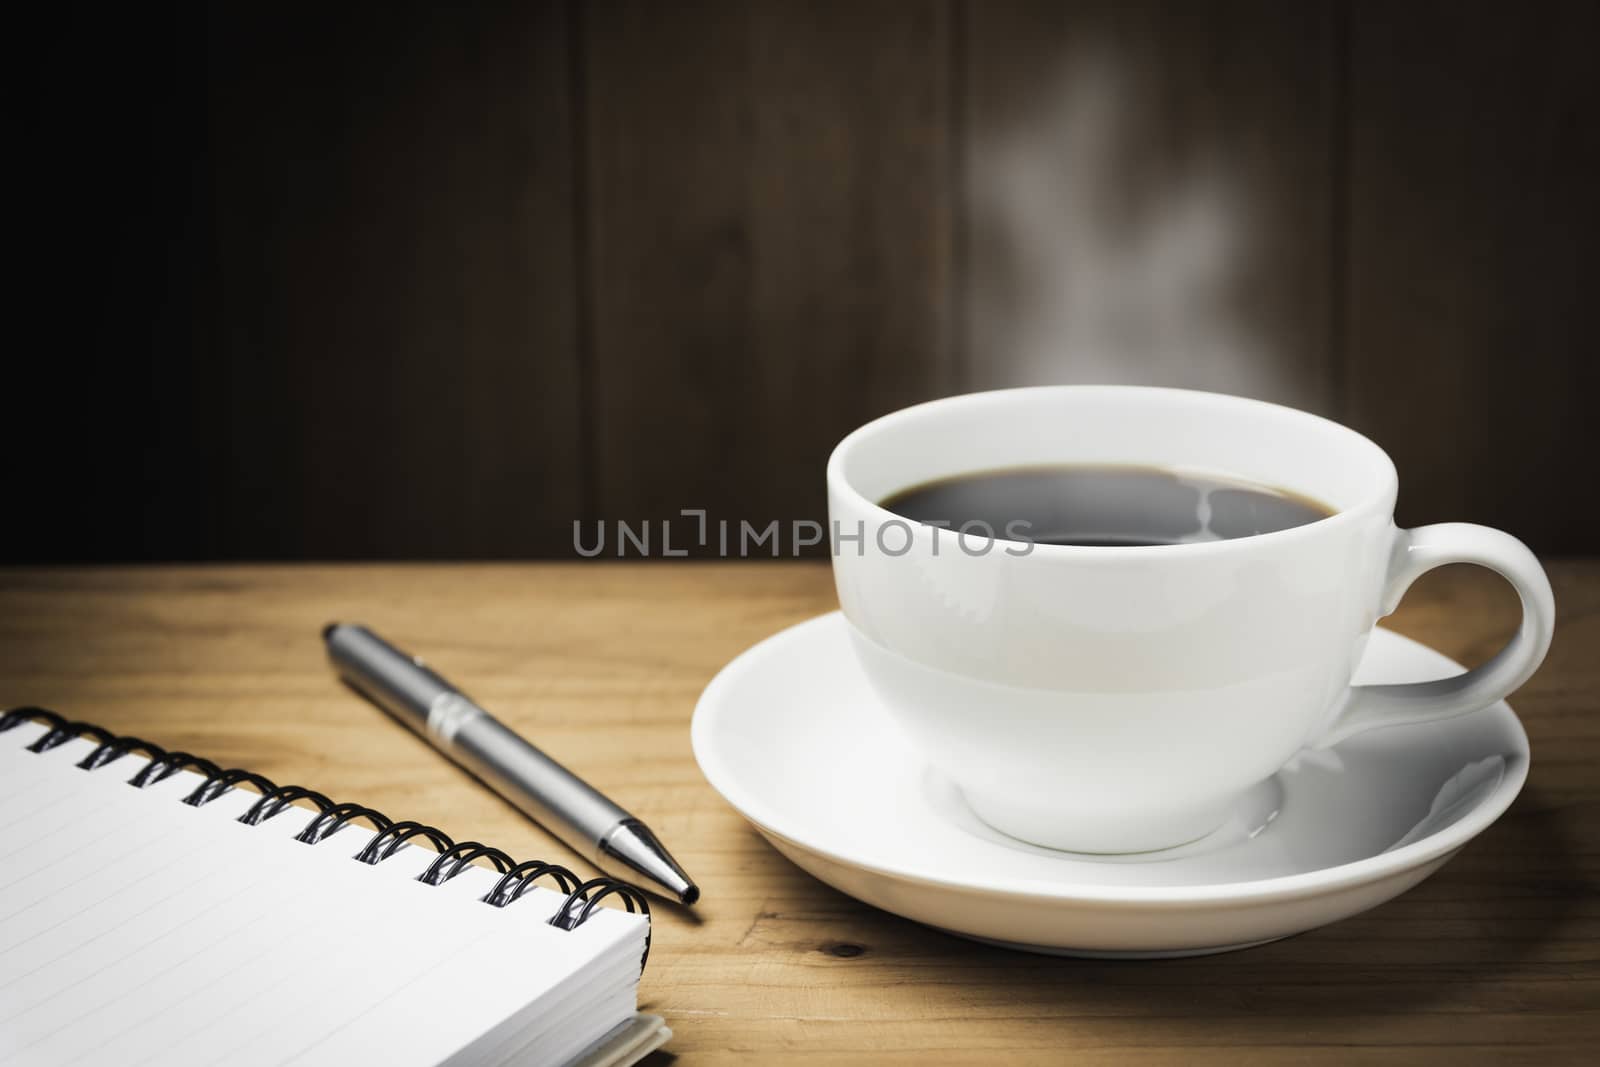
{"points": [[1122, 699]]}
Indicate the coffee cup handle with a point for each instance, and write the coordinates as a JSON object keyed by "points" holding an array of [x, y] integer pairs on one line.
{"points": [[1416, 552]]}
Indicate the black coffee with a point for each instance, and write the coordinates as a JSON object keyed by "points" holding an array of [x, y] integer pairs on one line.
{"points": [[1104, 506]]}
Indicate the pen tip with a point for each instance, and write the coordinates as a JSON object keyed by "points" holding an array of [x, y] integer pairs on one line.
{"points": [[327, 631], [630, 851]]}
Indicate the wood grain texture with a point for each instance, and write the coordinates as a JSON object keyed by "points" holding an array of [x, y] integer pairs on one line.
{"points": [[394, 259], [1473, 158], [1150, 191], [1492, 960], [770, 224]]}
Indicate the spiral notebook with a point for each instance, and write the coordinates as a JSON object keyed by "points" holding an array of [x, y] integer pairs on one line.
{"points": [[157, 908]]}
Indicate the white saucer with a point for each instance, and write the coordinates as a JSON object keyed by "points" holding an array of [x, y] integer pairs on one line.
{"points": [[790, 734]]}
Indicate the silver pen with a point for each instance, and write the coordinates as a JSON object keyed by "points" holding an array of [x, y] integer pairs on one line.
{"points": [[553, 796]]}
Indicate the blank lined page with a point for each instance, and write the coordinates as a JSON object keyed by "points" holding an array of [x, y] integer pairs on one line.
{"points": [[137, 929]]}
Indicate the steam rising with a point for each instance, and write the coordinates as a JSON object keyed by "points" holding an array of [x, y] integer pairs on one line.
{"points": [[1104, 254]]}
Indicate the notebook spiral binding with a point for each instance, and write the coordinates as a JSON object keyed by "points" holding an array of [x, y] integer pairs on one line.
{"points": [[582, 897]]}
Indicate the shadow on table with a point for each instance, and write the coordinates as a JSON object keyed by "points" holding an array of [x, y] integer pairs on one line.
{"points": [[1487, 917], [1478, 941]]}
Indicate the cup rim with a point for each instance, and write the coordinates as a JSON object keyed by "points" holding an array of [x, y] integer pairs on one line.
{"points": [[1381, 498]]}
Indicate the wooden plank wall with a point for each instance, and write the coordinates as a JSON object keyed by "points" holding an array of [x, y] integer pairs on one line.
{"points": [[769, 229], [434, 281], [1473, 159], [396, 278]]}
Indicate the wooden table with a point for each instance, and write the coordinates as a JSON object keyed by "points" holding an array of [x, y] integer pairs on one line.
{"points": [[1492, 960]]}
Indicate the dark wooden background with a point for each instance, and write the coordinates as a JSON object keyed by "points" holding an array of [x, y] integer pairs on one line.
{"points": [[363, 280]]}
